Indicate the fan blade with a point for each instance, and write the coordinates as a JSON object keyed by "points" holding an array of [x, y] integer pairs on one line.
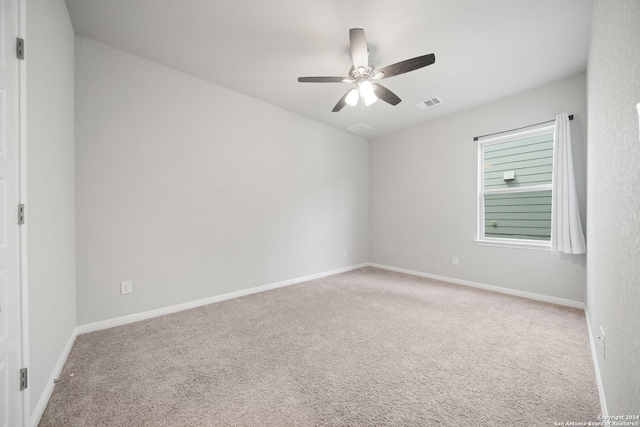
{"points": [[324, 80], [386, 95], [407, 65], [359, 53], [341, 103]]}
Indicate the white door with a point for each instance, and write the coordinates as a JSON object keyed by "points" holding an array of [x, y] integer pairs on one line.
{"points": [[10, 289]]}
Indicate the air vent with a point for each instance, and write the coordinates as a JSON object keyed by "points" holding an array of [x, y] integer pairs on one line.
{"points": [[429, 103], [359, 127]]}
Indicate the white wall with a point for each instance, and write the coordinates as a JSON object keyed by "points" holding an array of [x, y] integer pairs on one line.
{"points": [[424, 196], [613, 299], [50, 188], [191, 190]]}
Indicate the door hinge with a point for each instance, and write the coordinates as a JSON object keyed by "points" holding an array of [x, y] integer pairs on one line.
{"points": [[21, 214], [20, 48], [24, 380]]}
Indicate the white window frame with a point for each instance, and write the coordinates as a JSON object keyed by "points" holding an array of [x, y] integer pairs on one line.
{"points": [[502, 242]]}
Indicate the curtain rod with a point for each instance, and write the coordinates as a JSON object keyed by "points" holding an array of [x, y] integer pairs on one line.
{"points": [[475, 138]]}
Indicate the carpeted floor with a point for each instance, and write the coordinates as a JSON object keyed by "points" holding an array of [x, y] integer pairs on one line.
{"points": [[364, 348]]}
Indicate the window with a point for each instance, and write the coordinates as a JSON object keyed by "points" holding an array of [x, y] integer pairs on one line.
{"points": [[515, 189]]}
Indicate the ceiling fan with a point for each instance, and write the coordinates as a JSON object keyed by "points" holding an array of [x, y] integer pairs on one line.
{"points": [[366, 77]]}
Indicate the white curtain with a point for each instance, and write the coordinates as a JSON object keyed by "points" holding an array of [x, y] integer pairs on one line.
{"points": [[566, 227]]}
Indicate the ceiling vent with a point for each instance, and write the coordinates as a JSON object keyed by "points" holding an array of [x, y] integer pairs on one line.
{"points": [[429, 103], [359, 127]]}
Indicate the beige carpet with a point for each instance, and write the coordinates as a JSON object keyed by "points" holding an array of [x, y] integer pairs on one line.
{"points": [[363, 348]]}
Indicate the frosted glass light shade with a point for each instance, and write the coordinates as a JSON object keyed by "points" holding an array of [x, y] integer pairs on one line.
{"points": [[370, 99], [366, 89], [352, 98]]}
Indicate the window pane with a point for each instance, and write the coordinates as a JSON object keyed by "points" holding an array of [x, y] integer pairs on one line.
{"points": [[530, 158], [524, 215]]}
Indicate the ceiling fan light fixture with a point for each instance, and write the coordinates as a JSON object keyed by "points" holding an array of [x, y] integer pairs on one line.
{"points": [[352, 98], [366, 88], [370, 99]]}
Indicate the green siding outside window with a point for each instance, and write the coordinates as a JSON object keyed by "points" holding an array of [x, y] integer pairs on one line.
{"points": [[518, 215], [516, 193], [531, 159]]}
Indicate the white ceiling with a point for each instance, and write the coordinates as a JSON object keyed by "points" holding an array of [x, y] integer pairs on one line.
{"points": [[485, 49]]}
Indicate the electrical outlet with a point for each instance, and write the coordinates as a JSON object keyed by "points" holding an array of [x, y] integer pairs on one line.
{"points": [[455, 261], [126, 287], [603, 342]]}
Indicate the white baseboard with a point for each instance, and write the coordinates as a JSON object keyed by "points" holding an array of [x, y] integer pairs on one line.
{"points": [[110, 323], [530, 295], [36, 415], [594, 354]]}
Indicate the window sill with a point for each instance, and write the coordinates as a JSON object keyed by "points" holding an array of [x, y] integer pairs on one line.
{"points": [[543, 246]]}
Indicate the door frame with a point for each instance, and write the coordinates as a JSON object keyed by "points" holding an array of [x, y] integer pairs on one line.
{"points": [[22, 195]]}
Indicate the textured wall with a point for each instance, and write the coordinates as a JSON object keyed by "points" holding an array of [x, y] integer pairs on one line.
{"points": [[614, 199], [424, 196], [191, 190], [50, 188]]}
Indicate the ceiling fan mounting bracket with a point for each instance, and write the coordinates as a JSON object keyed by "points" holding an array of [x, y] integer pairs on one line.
{"points": [[359, 73]]}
